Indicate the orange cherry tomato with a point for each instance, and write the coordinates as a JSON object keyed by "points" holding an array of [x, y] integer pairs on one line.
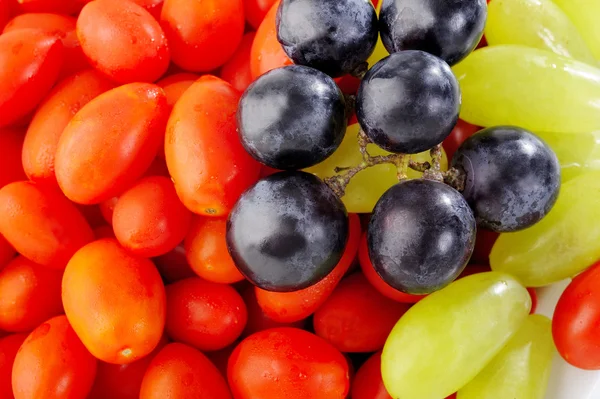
{"points": [[181, 372], [41, 224], [30, 61], [204, 154], [287, 363], [51, 118], [205, 315], [368, 383], [256, 10], [123, 40], [266, 52], [202, 34], [29, 295], [110, 142], [45, 6], [173, 265], [236, 71], [288, 307], [206, 251], [7, 252], [53, 363], [11, 143], [9, 346], [115, 302]]}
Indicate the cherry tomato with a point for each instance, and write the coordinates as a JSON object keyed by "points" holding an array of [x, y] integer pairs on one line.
{"points": [[123, 40], [483, 246], [53, 363], [111, 142], [107, 208], [154, 7], [7, 252], [460, 133], [288, 307], [173, 265], [181, 372], [30, 61], [202, 35], [104, 232], [287, 363], [5, 12], [236, 71], [205, 315], [534, 300], [41, 224], [11, 143], [204, 154], [256, 10], [368, 383], [92, 214], [51, 118], [9, 346], [45, 6], [220, 358]]}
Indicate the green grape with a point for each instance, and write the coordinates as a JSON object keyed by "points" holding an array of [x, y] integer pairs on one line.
{"points": [[531, 88], [446, 339], [521, 369], [367, 186], [564, 243], [584, 14], [535, 23], [577, 153]]}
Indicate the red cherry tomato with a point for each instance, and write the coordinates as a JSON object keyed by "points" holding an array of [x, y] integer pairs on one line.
{"points": [[55, 6], [483, 246], [534, 299], [287, 363], [460, 133], [5, 12], [220, 358], [236, 71], [9, 347], [11, 143], [7, 252], [256, 10], [104, 232], [368, 383], [173, 265]]}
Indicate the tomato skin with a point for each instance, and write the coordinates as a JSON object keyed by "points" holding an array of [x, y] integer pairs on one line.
{"points": [[53, 363], [205, 315], [257, 319], [115, 302], [204, 154], [51, 118], [49, 6], [29, 295], [41, 224], [148, 219], [576, 321], [237, 71], [483, 246], [5, 12], [182, 372], [11, 142], [287, 363], [173, 265], [30, 61], [104, 232], [368, 383], [110, 142], [462, 131], [256, 10], [288, 307], [9, 346], [123, 40], [7, 252]]}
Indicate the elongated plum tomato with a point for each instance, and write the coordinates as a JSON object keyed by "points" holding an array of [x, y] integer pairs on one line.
{"points": [[367, 383], [204, 154], [9, 346], [111, 142], [30, 61], [53, 363], [11, 142], [237, 71], [256, 10], [117, 311]]}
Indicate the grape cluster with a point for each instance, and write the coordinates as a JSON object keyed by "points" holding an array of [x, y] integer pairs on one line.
{"points": [[289, 230]]}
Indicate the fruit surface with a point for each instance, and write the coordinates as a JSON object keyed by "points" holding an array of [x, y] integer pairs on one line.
{"points": [[581, 13], [9, 347]]}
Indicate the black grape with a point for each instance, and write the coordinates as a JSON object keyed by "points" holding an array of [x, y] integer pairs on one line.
{"points": [[287, 232], [512, 177], [292, 117], [421, 236], [408, 102]]}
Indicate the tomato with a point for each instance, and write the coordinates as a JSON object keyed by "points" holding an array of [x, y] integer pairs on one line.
{"points": [[576, 321], [266, 52], [220, 358], [41, 224], [206, 251], [104, 232], [287, 363], [173, 265], [205, 315], [534, 300], [460, 133], [368, 383], [5, 12], [483, 246], [53, 363], [123, 40], [356, 317], [11, 143], [110, 142], [30, 61], [7, 252], [148, 219], [256, 10], [107, 208], [44, 6], [115, 302], [236, 71], [92, 214], [288, 307], [375, 280], [202, 34], [29, 295], [51, 118], [204, 154], [9, 346], [182, 372]]}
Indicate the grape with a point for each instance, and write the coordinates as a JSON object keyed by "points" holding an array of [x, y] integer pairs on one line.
{"points": [[512, 177], [447, 338], [563, 244], [333, 36], [447, 29], [577, 153], [584, 14], [287, 232], [408, 102], [292, 117], [521, 370], [421, 236]]}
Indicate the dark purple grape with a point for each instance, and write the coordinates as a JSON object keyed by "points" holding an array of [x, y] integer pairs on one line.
{"points": [[421, 236], [408, 102], [292, 117], [512, 177], [449, 29], [333, 36], [287, 232]]}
